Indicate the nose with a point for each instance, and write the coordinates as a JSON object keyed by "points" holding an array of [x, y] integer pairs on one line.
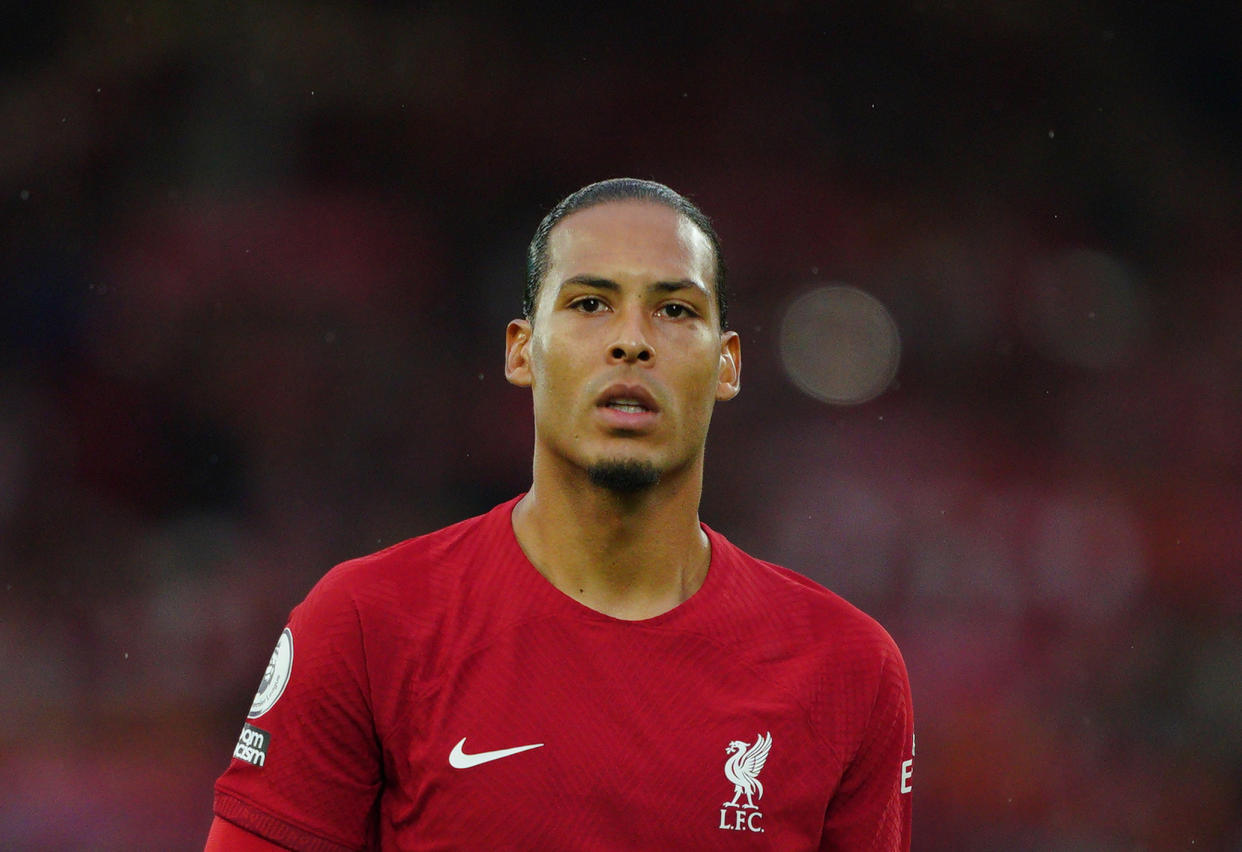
{"points": [[630, 351], [630, 345]]}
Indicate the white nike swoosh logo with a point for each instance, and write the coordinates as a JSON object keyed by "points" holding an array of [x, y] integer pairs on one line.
{"points": [[458, 759]]}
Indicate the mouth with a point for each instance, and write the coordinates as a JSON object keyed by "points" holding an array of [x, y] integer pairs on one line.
{"points": [[629, 406], [628, 399]]}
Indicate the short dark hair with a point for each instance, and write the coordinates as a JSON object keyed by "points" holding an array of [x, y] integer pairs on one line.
{"points": [[617, 189]]}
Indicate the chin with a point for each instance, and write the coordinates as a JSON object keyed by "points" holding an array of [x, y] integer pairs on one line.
{"points": [[624, 476]]}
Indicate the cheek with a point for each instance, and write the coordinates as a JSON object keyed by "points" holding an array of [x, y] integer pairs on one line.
{"points": [[706, 376], [552, 370], [710, 384]]}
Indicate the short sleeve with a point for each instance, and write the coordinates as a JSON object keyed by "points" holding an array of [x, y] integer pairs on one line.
{"points": [[871, 809], [306, 769]]}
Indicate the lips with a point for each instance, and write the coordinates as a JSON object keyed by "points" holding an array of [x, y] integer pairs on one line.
{"points": [[628, 399]]}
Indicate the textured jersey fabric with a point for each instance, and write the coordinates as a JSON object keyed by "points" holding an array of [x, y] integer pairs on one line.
{"points": [[763, 713]]}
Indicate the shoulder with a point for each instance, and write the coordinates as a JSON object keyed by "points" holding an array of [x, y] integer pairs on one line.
{"points": [[842, 664], [808, 613], [409, 595], [423, 568], [416, 605]]}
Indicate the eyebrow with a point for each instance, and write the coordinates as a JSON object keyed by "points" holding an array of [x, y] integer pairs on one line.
{"points": [[612, 286]]}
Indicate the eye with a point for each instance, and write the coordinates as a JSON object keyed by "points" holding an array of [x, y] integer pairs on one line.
{"points": [[588, 304], [676, 310]]}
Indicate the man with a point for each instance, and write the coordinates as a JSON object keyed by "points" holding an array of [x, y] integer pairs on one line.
{"points": [[586, 667]]}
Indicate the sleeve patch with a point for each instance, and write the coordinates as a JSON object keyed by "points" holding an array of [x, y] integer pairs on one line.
{"points": [[252, 745], [276, 677]]}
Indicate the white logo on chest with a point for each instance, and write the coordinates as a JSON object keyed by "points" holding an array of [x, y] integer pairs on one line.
{"points": [[459, 759], [742, 768]]}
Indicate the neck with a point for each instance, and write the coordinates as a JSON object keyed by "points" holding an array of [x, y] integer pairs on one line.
{"points": [[631, 555]]}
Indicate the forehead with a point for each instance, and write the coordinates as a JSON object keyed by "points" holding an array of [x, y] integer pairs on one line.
{"points": [[639, 239]]}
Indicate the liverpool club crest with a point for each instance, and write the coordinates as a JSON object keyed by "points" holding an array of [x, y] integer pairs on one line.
{"points": [[742, 768]]}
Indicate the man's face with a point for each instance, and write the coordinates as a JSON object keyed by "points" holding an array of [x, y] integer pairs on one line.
{"points": [[624, 355]]}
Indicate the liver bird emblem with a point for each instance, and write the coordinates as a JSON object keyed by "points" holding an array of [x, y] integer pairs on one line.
{"points": [[743, 768]]}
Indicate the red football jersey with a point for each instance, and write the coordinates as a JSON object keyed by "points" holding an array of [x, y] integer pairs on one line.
{"points": [[441, 694]]}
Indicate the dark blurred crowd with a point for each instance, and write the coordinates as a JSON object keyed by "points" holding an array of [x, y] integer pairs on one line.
{"points": [[256, 263]]}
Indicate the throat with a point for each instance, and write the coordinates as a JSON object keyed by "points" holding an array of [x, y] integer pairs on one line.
{"points": [[633, 595], [632, 582], [630, 565]]}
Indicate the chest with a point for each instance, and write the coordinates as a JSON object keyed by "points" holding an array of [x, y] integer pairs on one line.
{"points": [[552, 737]]}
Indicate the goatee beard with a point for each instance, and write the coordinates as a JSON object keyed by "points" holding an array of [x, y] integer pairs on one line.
{"points": [[624, 476]]}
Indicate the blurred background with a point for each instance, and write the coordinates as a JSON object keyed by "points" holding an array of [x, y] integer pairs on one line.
{"points": [[255, 266]]}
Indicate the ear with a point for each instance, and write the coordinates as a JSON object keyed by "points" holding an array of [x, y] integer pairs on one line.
{"points": [[730, 381], [517, 353]]}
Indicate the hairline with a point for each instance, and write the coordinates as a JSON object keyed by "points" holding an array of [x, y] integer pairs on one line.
{"points": [[619, 190], [707, 286]]}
